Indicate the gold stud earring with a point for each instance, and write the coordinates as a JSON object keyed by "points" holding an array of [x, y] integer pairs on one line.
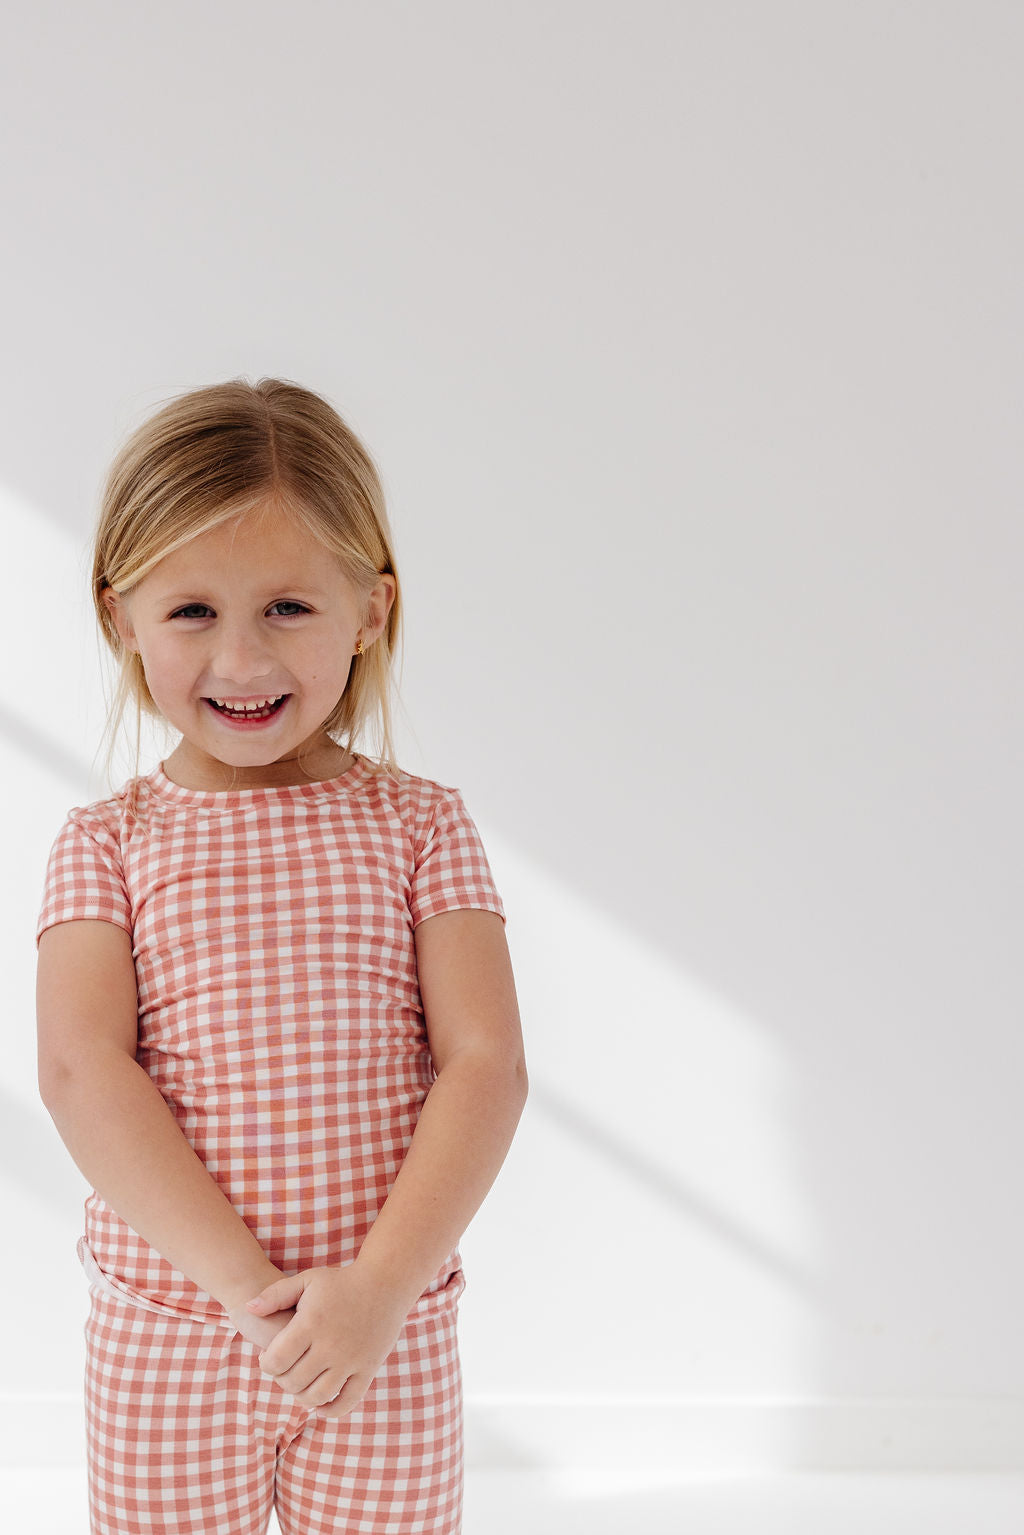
{"points": [[359, 647]]}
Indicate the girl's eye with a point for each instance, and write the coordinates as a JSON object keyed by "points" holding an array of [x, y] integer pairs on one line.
{"points": [[200, 609]]}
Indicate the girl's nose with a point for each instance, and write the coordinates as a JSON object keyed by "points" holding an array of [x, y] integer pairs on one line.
{"points": [[241, 657]]}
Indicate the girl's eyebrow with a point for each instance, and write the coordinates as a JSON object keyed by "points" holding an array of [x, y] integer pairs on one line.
{"points": [[195, 594]]}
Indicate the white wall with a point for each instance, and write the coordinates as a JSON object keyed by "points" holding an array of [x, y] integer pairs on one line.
{"points": [[688, 338]]}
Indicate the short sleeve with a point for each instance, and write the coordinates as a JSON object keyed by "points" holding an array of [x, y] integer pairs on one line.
{"points": [[84, 879], [451, 866]]}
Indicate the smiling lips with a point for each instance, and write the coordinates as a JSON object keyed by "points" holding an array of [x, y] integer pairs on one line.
{"points": [[249, 709]]}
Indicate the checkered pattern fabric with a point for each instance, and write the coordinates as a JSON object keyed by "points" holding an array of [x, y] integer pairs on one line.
{"points": [[186, 1434], [280, 1016]]}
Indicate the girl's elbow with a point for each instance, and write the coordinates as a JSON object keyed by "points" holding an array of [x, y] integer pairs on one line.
{"points": [[64, 1080], [522, 1082], [52, 1082], [55, 1079]]}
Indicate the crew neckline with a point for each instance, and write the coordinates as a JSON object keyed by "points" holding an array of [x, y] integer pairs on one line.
{"points": [[166, 789]]}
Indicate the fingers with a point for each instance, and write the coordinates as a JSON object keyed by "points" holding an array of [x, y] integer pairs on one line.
{"points": [[312, 1386], [350, 1395], [306, 1377], [309, 1385], [284, 1354], [279, 1296], [261, 1330], [321, 1390]]}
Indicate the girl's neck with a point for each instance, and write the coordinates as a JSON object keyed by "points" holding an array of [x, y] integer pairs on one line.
{"points": [[191, 769]]}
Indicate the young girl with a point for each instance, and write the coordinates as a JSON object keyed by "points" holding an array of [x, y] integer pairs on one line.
{"points": [[278, 1028]]}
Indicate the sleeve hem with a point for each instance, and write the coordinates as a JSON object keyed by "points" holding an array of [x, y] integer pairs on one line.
{"points": [[83, 916], [469, 903]]}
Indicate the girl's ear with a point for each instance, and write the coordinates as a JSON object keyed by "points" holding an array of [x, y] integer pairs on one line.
{"points": [[115, 605], [378, 605]]}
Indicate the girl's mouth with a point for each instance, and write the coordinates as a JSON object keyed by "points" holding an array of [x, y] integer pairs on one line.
{"points": [[255, 711]]}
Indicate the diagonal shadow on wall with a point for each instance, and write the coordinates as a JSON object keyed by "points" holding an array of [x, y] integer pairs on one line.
{"points": [[55, 756], [33, 1157], [669, 1188]]}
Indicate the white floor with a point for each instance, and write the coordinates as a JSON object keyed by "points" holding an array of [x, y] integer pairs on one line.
{"points": [[52, 1501]]}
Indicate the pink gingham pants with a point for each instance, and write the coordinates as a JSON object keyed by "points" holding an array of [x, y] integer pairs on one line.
{"points": [[187, 1436]]}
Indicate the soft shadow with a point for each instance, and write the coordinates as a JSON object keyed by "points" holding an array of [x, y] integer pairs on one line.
{"points": [[29, 739], [34, 1157], [684, 1200]]}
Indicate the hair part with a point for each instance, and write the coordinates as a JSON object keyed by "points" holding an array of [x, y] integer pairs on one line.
{"points": [[232, 449]]}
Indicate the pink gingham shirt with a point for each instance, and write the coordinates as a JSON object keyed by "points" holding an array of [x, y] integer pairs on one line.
{"points": [[279, 1005]]}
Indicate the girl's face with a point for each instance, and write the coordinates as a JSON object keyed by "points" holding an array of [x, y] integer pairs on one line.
{"points": [[247, 635]]}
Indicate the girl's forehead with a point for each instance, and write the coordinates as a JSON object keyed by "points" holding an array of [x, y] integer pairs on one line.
{"points": [[258, 544], [258, 527]]}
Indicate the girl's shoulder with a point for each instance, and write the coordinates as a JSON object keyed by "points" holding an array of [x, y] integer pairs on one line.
{"points": [[114, 814], [403, 787], [410, 797]]}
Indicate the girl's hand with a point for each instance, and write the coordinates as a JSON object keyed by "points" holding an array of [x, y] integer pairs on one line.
{"points": [[344, 1326], [258, 1329], [261, 1330]]}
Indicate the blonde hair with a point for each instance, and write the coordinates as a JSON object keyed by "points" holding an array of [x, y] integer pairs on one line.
{"points": [[213, 454]]}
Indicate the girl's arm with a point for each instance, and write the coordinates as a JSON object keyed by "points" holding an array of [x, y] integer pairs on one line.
{"points": [[470, 1115], [117, 1126], [347, 1320]]}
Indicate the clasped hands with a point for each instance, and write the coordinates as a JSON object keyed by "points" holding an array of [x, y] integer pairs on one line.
{"points": [[324, 1334]]}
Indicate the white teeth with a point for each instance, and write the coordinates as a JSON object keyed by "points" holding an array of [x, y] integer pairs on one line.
{"points": [[250, 705]]}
